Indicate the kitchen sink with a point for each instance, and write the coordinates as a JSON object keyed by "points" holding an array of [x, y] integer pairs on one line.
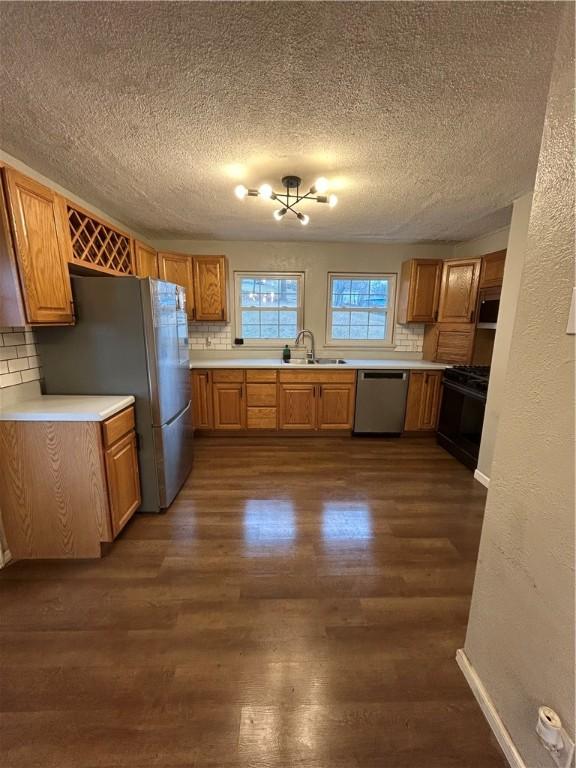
{"points": [[317, 361]]}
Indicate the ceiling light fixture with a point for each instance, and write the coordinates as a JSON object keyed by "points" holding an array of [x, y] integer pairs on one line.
{"points": [[291, 197]]}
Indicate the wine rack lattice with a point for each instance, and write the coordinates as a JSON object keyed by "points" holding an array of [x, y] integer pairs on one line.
{"points": [[98, 244]]}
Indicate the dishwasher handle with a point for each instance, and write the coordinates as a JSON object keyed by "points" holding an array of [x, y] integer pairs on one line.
{"points": [[384, 375]]}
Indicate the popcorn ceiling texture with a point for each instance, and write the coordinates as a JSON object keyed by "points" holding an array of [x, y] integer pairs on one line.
{"points": [[19, 362], [429, 115]]}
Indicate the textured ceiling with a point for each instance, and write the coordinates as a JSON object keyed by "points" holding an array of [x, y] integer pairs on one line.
{"points": [[427, 115]]}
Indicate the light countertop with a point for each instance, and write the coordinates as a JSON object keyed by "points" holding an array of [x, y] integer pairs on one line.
{"points": [[239, 362], [66, 408]]}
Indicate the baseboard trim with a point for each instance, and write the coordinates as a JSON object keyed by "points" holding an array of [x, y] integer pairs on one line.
{"points": [[490, 712], [482, 478]]}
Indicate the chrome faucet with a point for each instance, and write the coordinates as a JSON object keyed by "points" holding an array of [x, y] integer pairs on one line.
{"points": [[312, 354]]}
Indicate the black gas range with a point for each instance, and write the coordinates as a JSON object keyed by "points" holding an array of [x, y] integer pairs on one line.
{"points": [[462, 411], [473, 377]]}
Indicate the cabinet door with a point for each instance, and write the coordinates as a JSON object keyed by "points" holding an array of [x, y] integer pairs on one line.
{"points": [[123, 481], [458, 291], [177, 268], [229, 406], [39, 222], [423, 401], [492, 269], [297, 406], [336, 406], [419, 291], [455, 344], [146, 260], [210, 287], [201, 400]]}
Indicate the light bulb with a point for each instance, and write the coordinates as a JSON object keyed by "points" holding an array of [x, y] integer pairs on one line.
{"points": [[332, 201], [279, 213], [303, 219], [241, 191], [265, 190], [321, 185]]}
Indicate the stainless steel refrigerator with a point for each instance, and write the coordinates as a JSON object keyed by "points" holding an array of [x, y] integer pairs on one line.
{"points": [[131, 338]]}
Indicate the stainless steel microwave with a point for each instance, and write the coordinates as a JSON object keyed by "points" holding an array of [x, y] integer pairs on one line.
{"points": [[488, 308]]}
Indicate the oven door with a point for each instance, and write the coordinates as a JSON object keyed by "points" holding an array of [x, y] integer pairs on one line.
{"points": [[460, 422]]}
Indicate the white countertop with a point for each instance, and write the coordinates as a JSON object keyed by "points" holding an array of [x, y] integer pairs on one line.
{"points": [[66, 408], [246, 362]]}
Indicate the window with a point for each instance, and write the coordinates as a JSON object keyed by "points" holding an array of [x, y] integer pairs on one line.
{"points": [[268, 306], [360, 309]]}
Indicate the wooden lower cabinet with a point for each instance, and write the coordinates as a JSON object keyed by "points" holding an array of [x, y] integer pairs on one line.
{"points": [[236, 399], [297, 406], [201, 400], [123, 481], [423, 403], [229, 405], [336, 406], [70, 485]]}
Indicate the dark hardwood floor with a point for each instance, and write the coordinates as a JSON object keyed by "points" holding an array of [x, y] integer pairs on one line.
{"points": [[299, 606]]}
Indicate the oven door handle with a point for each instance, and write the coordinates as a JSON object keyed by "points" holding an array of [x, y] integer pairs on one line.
{"points": [[464, 391]]}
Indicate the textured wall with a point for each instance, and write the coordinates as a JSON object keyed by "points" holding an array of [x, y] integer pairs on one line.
{"points": [[316, 260], [470, 249], [503, 337], [521, 631]]}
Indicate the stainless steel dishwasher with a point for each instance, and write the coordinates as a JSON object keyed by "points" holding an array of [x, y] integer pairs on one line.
{"points": [[381, 402]]}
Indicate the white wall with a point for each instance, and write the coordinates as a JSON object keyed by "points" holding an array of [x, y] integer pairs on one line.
{"points": [[517, 240], [470, 249], [520, 637], [316, 260]]}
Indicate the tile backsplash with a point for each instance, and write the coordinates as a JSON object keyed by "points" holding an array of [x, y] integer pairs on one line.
{"points": [[19, 361], [218, 337]]}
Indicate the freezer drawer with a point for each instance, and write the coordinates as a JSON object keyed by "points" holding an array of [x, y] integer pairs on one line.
{"points": [[173, 446], [381, 402]]}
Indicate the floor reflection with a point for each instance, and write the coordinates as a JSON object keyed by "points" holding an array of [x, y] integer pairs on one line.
{"points": [[269, 522], [346, 521]]}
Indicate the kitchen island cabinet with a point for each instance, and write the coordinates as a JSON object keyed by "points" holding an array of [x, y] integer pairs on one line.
{"points": [[71, 479]]}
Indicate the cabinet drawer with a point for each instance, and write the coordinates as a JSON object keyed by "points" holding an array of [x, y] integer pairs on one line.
{"points": [[262, 418], [228, 375], [318, 377], [261, 394], [268, 376], [117, 426]]}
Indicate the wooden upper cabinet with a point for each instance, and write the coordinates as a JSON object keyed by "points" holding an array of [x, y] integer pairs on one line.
{"points": [[459, 290], [492, 269], [419, 291], [39, 223], [146, 260], [423, 401], [177, 268], [336, 406], [210, 288]]}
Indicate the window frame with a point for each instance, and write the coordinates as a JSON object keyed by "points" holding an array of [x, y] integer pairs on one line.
{"points": [[390, 310], [271, 275]]}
